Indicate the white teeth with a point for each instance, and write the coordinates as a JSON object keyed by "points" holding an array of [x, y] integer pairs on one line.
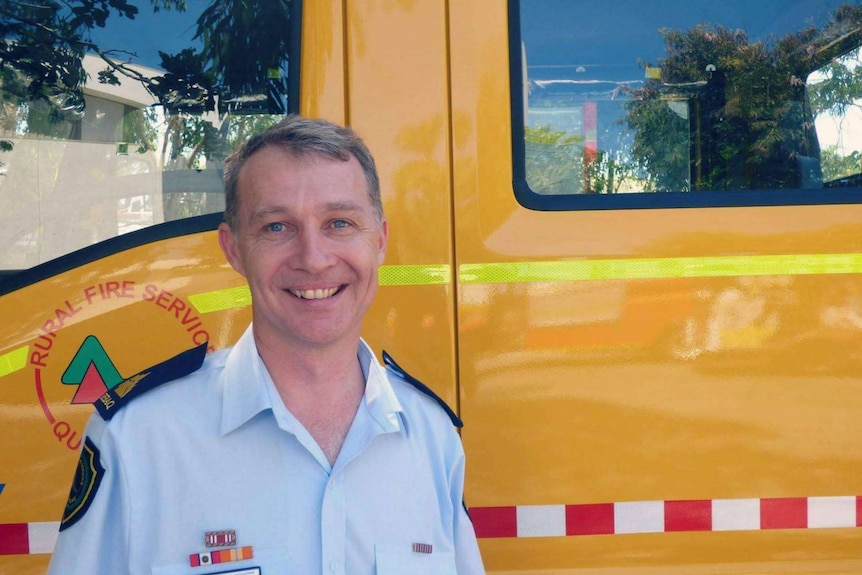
{"points": [[314, 293]]}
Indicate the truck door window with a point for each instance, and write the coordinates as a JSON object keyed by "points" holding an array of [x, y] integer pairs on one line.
{"points": [[115, 118], [682, 103]]}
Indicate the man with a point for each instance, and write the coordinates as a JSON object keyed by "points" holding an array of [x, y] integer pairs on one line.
{"points": [[294, 451]]}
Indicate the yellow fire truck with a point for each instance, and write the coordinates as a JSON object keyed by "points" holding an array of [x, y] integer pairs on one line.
{"points": [[626, 247]]}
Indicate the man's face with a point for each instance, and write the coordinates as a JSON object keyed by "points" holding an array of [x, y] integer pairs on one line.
{"points": [[309, 244]]}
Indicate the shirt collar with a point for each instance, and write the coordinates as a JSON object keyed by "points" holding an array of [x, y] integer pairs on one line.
{"points": [[380, 399], [244, 382]]}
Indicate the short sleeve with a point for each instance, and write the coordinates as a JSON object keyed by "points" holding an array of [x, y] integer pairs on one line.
{"points": [[94, 532], [467, 557]]}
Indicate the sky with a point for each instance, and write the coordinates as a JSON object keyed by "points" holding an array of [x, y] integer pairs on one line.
{"points": [[167, 31], [566, 39], [590, 48], [614, 34]]}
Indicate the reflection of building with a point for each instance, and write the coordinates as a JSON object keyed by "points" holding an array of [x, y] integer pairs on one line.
{"points": [[108, 105], [134, 213], [68, 181]]}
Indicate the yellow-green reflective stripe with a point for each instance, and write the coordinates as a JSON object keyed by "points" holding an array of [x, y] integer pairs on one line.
{"points": [[579, 270], [218, 300], [415, 275], [660, 268], [236, 297], [13, 361]]}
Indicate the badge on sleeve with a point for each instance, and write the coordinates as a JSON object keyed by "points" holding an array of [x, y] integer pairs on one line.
{"points": [[88, 476], [176, 367]]}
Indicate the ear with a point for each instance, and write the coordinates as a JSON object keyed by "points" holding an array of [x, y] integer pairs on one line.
{"points": [[381, 241], [227, 241]]}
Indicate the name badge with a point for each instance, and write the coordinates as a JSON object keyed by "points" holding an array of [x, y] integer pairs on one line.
{"points": [[243, 571]]}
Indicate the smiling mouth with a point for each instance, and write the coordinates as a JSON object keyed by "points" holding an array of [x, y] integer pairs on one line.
{"points": [[314, 293]]}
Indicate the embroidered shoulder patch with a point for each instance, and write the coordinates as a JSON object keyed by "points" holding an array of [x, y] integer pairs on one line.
{"points": [[390, 363], [88, 476], [174, 368]]}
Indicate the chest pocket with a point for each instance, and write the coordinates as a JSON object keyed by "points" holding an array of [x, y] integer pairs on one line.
{"points": [[266, 561], [402, 560]]}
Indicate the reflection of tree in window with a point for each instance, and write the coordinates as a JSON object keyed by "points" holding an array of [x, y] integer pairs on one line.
{"points": [[750, 123], [231, 82], [241, 66], [555, 161]]}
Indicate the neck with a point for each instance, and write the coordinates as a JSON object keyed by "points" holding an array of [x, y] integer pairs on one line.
{"points": [[321, 372], [321, 387]]}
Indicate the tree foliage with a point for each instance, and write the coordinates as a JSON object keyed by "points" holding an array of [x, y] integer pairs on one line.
{"points": [[837, 166], [241, 65], [246, 43], [213, 94], [554, 161], [750, 124]]}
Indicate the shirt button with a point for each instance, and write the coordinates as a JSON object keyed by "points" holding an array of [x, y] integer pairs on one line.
{"points": [[333, 566]]}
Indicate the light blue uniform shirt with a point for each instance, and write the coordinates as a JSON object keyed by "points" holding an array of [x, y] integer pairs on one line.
{"points": [[217, 450]]}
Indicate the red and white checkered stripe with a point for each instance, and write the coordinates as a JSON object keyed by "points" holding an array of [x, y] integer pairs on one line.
{"points": [[28, 538], [586, 519], [667, 516]]}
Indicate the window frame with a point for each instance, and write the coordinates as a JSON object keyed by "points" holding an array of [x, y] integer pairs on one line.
{"points": [[12, 280], [639, 200]]}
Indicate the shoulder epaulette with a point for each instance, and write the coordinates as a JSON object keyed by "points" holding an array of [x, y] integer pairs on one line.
{"points": [[390, 363], [140, 383]]}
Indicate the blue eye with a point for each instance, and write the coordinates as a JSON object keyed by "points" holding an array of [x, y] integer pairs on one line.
{"points": [[340, 224], [275, 227]]}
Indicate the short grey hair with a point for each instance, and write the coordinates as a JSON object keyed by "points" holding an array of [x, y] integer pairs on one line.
{"points": [[302, 137]]}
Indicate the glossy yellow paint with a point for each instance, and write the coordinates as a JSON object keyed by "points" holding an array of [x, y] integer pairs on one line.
{"points": [[573, 389], [323, 72], [397, 100], [645, 389]]}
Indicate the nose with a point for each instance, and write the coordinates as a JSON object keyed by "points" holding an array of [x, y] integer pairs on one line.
{"points": [[313, 253]]}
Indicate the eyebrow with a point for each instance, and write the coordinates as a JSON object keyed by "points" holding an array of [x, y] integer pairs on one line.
{"points": [[265, 211], [342, 206]]}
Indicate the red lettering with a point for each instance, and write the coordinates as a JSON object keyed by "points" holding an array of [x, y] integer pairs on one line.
{"points": [[177, 305], [37, 358], [73, 446], [63, 314], [179, 308], [164, 296], [61, 317], [128, 289], [186, 319], [48, 327], [200, 336], [89, 292], [47, 346], [112, 287], [150, 291]]}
